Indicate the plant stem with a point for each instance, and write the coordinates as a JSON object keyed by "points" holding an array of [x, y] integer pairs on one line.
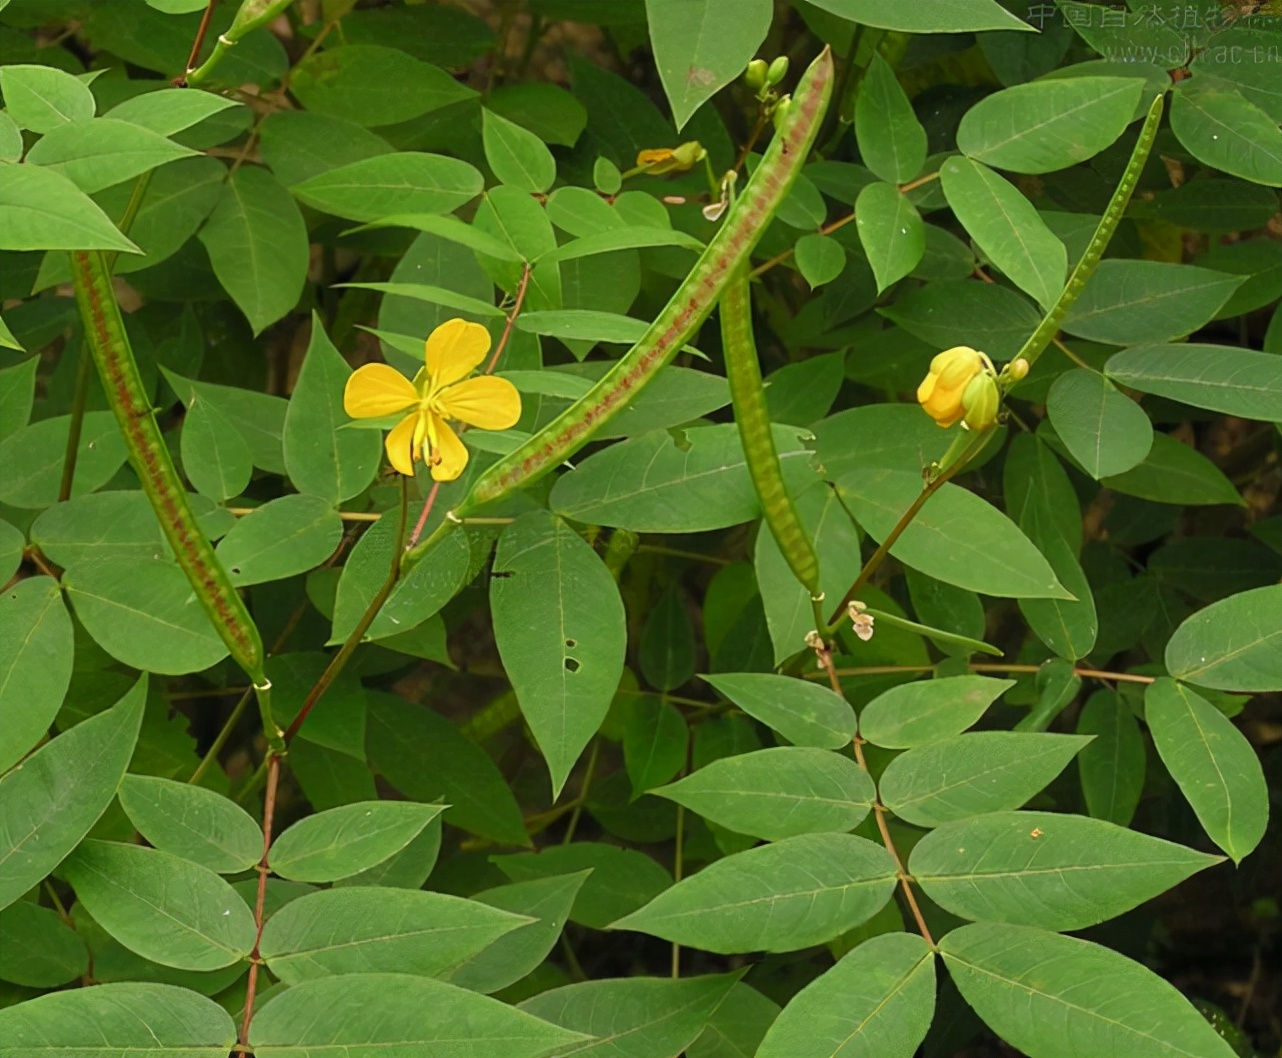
{"points": [[181, 81], [423, 516], [890, 670], [223, 735], [584, 790], [879, 810], [255, 959], [511, 318], [345, 652]]}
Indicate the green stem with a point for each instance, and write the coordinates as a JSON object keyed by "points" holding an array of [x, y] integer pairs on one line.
{"points": [[1049, 327], [220, 741], [107, 340]]}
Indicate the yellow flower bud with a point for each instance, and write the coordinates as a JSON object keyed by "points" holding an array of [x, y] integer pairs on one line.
{"points": [[778, 71], [1017, 369], [660, 161], [756, 74], [940, 393], [982, 400]]}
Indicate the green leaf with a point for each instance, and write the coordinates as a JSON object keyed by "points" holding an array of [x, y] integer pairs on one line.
{"points": [[1059, 997], [33, 458], [635, 1015], [650, 484], [17, 395], [37, 949], [890, 436], [321, 459], [451, 228], [972, 774], [41, 98], [49, 804], [1126, 302], [143, 612], [561, 633], [36, 653], [789, 611], [820, 259], [517, 156], [366, 1014], [424, 756], [890, 231], [428, 587], [405, 182], [11, 146], [215, 456], [666, 655], [1068, 627], [165, 113], [1035, 484], [1212, 762], [892, 142], [372, 85], [940, 16], [877, 1002], [433, 295], [1225, 130], [282, 538], [1112, 766], [920, 712], [192, 822], [166, 909], [366, 929], [341, 841], [135, 1017], [944, 313], [1232, 645], [1173, 472], [1059, 872], [1006, 227], [1048, 125], [1104, 430], [1219, 377], [257, 244], [1210, 205], [674, 396], [514, 955], [43, 210], [777, 898], [655, 743], [804, 713], [300, 144], [700, 46], [629, 238], [956, 537], [546, 109], [259, 417], [12, 546], [778, 793], [99, 152], [99, 526]]}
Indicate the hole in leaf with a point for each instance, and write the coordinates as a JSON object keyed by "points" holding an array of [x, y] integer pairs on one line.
{"points": [[571, 665], [570, 644], [236, 570]]}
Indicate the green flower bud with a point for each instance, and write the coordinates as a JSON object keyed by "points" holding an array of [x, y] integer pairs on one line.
{"points": [[982, 400], [778, 71], [1017, 369], [781, 110], [755, 77]]}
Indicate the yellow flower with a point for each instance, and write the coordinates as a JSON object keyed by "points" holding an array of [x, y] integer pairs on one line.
{"points": [[441, 391], [940, 393], [659, 161]]}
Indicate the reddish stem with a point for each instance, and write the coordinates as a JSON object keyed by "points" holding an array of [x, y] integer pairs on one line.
{"points": [[511, 322], [255, 960], [181, 80], [422, 518]]}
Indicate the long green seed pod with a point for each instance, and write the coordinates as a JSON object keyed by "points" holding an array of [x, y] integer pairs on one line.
{"points": [[689, 306], [113, 355], [1049, 327], [753, 420]]}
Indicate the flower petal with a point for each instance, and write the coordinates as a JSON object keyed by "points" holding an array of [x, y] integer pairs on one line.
{"points": [[449, 453], [376, 390], [454, 350], [488, 402], [399, 445]]}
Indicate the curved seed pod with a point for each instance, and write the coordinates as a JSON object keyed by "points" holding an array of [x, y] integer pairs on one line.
{"points": [[113, 355], [753, 420], [689, 306], [1108, 223]]}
